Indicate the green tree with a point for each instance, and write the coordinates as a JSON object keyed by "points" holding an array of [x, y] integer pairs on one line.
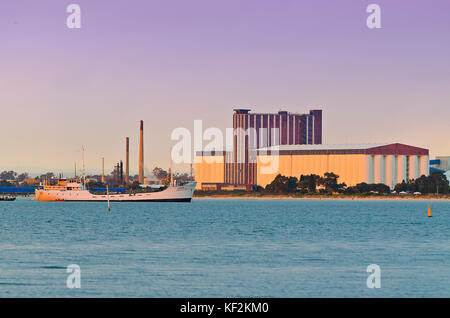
{"points": [[330, 182], [363, 187], [436, 182], [292, 184], [160, 173], [8, 175], [351, 190], [282, 184], [308, 183], [439, 182], [399, 187], [22, 177], [380, 188]]}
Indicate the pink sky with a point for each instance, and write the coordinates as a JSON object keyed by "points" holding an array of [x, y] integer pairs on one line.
{"points": [[170, 62]]}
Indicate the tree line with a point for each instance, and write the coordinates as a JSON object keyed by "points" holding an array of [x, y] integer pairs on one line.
{"points": [[329, 183], [436, 182]]}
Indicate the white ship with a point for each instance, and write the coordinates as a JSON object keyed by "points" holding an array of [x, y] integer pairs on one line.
{"points": [[74, 191]]}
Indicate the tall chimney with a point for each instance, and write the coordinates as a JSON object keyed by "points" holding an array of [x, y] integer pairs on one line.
{"points": [[121, 171], [127, 160], [141, 154]]}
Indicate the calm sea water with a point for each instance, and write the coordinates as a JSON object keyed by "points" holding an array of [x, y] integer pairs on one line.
{"points": [[225, 248]]}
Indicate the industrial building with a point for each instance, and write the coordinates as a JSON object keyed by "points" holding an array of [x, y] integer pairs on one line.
{"points": [[378, 163], [441, 164], [282, 128], [297, 150], [295, 128]]}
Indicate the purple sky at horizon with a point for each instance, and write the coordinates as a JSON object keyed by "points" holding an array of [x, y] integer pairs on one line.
{"points": [[171, 62]]}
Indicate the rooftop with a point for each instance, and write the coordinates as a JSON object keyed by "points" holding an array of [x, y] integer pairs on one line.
{"points": [[374, 149], [241, 110], [280, 112], [324, 147]]}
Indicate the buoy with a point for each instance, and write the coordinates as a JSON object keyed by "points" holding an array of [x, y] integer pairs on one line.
{"points": [[429, 212]]}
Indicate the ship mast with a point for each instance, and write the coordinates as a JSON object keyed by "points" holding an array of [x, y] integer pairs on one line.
{"points": [[170, 168], [83, 183]]}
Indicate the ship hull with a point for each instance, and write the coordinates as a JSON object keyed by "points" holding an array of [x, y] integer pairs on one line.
{"points": [[182, 193], [143, 200]]}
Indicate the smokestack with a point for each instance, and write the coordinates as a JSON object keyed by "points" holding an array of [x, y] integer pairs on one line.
{"points": [[127, 159], [121, 171], [103, 170], [141, 154]]}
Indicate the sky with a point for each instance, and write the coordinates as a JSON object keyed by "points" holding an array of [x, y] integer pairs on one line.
{"points": [[171, 62]]}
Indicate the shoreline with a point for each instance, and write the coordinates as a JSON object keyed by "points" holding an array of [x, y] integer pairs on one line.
{"points": [[341, 198]]}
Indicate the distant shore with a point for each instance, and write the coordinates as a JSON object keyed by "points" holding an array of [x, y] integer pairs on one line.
{"points": [[323, 197]]}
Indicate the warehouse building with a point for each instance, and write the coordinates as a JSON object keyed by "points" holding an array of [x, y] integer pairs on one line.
{"points": [[377, 163]]}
